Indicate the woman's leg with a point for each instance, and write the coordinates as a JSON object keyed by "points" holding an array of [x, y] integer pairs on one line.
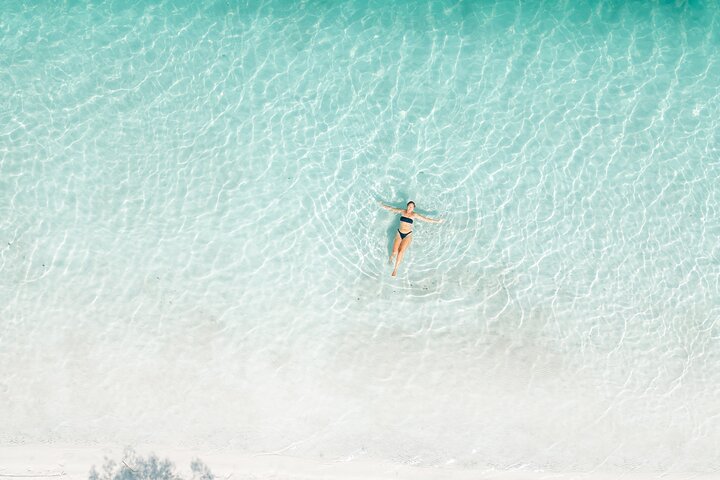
{"points": [[404, 244], [396, 246]]}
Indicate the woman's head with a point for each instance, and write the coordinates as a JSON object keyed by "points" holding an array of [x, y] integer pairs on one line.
{"points": [[410, 206]]}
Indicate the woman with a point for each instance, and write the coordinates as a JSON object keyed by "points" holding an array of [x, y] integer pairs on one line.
{"points": [[403, 239]]}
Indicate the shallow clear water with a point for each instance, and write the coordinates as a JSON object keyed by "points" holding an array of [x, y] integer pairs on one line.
{"points": [[192, 253]]}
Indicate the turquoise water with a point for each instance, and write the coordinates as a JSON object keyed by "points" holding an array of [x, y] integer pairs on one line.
{"points": [[191, 251]]}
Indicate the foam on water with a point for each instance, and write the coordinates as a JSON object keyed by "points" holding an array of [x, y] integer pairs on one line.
{"points": [[192, 251]]}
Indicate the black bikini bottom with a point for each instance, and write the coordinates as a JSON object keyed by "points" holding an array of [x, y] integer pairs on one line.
{"points": [[403, 235]]}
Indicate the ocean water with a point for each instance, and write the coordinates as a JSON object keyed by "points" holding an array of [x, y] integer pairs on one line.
{"points": [[192, 253]]}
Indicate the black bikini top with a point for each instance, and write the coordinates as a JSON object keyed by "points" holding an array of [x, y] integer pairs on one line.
{"points": [[406, 219]]}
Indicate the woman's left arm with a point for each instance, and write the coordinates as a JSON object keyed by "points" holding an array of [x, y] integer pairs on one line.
{"points": [[428, 219]]}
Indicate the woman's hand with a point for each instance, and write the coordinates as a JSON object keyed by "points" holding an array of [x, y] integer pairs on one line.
{"points": [[428, 219], [386, 207]]}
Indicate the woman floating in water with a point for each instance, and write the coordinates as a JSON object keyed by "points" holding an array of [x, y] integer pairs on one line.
{"points": [[403, 237]]}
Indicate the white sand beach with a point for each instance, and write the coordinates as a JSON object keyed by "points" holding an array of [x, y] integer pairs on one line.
{"points": [[42, 461]]}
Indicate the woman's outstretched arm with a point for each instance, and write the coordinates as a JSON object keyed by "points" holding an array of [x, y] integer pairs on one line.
{"points": [[392, 209], [428, 219]]}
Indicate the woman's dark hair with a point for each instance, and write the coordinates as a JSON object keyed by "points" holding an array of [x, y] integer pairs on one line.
{"points": [[408, 204]]}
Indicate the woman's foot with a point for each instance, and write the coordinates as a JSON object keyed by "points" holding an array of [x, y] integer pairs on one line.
{"points": [[394, 274]]}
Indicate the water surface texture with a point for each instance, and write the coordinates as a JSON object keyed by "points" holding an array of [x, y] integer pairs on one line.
{"points": [[191, 250]]}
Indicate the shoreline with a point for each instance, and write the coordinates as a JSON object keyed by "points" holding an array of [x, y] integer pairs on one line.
{"points": [[74, 461]]}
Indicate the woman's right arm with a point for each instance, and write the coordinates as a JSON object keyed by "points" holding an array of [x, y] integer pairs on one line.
{"points": [[386, 207]]}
